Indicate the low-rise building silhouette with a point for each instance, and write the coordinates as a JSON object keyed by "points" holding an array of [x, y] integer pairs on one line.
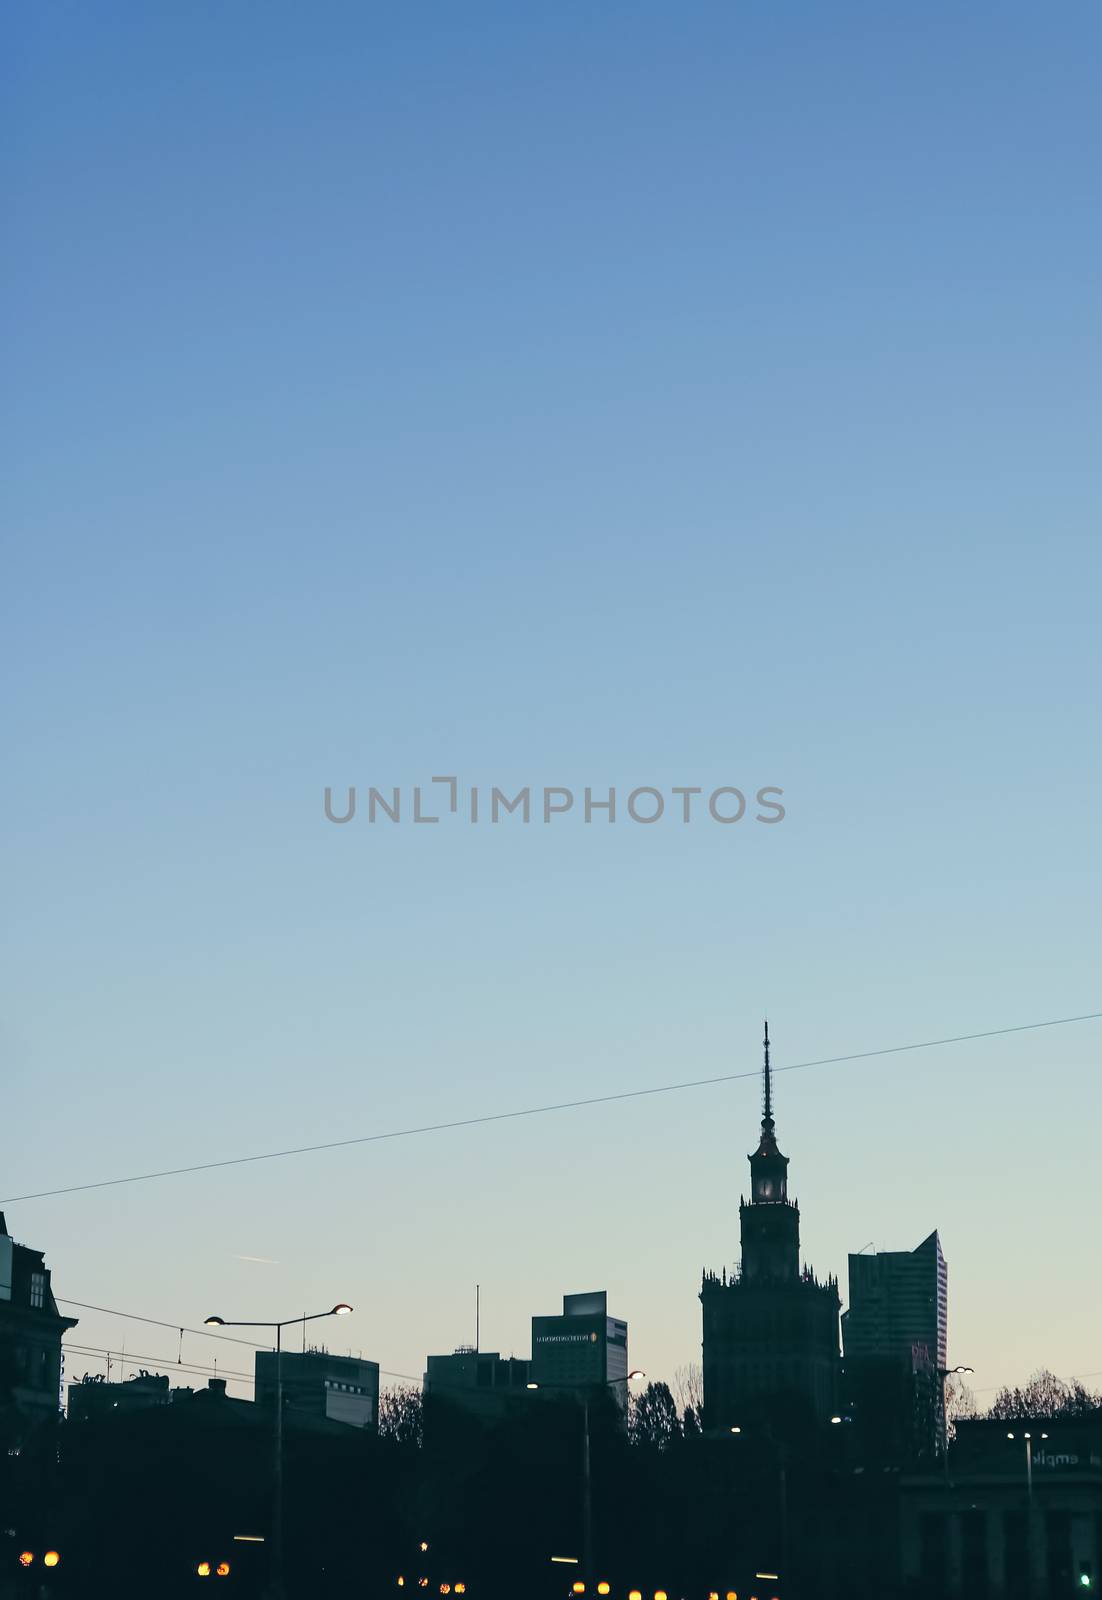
{"points": [[31, 1329], [1016, 1513], [481, 1381], [95, 1396]]}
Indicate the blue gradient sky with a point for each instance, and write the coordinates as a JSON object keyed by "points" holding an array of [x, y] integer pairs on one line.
{"points": [[578, 394]]}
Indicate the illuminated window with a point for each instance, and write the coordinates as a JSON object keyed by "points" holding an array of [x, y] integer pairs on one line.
{"points": [[38, 1290]]}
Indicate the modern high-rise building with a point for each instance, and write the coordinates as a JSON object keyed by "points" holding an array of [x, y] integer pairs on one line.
{"points": [[581, 1349], [898, 1298], [342, 1388], [31, 1328], [770, 1327], [895, 1337]]}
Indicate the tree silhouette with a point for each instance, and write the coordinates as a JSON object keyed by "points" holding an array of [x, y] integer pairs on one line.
{"points": [[688, 1389], [960, 1404], [653, 1420], [401, 1415], [1045, 1395]]}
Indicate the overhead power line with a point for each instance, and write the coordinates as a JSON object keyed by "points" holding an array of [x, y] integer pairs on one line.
{"points": [[205, 1333], [538, 1111], [130, 1358], [132, 1316]]}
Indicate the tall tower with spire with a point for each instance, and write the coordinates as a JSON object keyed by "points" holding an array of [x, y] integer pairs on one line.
{"points": [[770, 1329]]}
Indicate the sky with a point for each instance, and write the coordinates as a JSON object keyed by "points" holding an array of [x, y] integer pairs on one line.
{"points": [[613, 396]]}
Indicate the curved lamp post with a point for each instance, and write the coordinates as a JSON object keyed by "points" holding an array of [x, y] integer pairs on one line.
{"points": [[275, 1579], [942, 1374]]}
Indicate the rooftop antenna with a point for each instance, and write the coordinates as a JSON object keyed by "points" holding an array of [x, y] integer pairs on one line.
{"points": [[767, 1086], [477, 1315]]}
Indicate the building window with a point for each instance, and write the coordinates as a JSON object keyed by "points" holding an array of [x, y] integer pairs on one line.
{"points": [[38, 1290]]}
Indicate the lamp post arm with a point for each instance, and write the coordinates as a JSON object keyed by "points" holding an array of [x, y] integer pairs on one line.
{"points": [[222, 1323]]}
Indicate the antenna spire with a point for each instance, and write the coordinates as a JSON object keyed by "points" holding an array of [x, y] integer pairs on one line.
{"points": [[767, 1086]]}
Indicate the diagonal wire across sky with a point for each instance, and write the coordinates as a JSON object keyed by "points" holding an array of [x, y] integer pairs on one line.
{"points": [[541, 1110]]}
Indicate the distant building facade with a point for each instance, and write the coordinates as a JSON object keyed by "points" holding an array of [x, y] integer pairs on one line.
{"points": [[480, 1381], [581, 1349], [895, 1333], [317, 1384], [31, 1329], [991, 1525], [770, 1328]]}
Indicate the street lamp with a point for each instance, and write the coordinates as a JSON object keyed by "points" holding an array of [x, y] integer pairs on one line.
{"points": [[778, 1445], [1028, 1437], [942, 1374], [275, 1575], [587, 1480]]}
